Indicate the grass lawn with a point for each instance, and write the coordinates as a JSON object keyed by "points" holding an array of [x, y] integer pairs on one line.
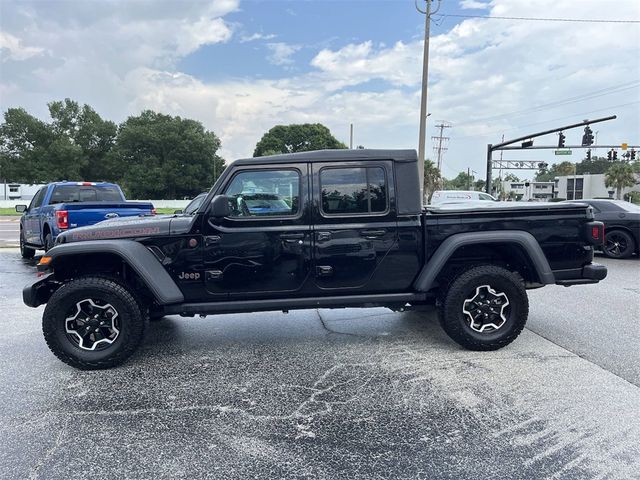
{"points": [[164, 211], [9, 211]]}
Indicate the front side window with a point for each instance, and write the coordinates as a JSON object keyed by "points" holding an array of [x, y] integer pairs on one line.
{"points": [[353, 190], [265, 193]]}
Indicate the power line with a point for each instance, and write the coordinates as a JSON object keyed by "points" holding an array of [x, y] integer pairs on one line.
{"points": [[585, 96], [537, 19], [483, 135]]}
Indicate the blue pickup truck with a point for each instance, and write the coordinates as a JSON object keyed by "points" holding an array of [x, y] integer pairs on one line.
{"points": [[61, 206]]}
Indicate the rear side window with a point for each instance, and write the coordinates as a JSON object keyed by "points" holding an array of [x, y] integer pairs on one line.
{"points": [[84, 193], [350, 191]]}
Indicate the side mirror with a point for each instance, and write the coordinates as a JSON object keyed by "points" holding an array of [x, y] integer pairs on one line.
{"points": [[21, 208], [177, 212], [220, 206]]}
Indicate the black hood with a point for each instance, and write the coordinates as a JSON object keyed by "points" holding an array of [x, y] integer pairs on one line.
{"points": [[130, 227]]}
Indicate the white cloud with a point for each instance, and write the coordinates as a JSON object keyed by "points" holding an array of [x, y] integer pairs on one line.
{"points": [[474, 5], [12, 48], [257, 36], [280, 53], [480, 68]]}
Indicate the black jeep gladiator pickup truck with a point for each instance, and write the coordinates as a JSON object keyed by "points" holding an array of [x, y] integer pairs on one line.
{"points": [[324, 229]]}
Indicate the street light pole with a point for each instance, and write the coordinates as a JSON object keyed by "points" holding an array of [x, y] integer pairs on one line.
{"points": [[423, 101]]}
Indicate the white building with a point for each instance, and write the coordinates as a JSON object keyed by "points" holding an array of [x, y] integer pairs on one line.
{"points": [[526, 190], [586, 186], [17, 191]]}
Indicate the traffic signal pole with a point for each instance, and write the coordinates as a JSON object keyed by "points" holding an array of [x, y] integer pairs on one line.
{"points": [[528, 138]]}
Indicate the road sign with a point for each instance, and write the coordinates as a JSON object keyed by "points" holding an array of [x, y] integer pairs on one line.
{"points": [[563, 152], [624, 146]]}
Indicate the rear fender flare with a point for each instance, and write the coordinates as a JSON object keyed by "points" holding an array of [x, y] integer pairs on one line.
{"points": [[525, 240], [135, 255]]}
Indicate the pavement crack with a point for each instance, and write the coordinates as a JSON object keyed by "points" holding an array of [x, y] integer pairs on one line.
{"points": [[35, 473], [324, 325]]}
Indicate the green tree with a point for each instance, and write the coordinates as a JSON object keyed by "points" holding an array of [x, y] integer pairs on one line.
{"points": [[93, 136], [460, 182], [296, 138], [167, 157], [479, 185], [75, 145], [619, 176], [557, 170], [510, 177], [432, 178], [24, 145], [597, 165]]}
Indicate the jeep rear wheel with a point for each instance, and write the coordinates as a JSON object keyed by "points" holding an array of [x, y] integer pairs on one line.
{"points": [[93, 323], [484, 308]]}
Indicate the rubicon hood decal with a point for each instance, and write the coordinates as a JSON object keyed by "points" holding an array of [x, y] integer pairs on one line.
{"points": [[130, 227]]}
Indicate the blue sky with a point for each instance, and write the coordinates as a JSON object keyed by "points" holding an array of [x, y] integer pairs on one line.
{"points": [[241, 67]]}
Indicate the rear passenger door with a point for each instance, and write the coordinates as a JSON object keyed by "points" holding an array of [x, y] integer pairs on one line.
{"points": [[355, 224]]}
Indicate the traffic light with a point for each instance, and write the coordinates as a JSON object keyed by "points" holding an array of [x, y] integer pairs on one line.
{"points": [[587, 138], [589, 154], [609, 155], [633, 154], [615, 155], [561, 138]]}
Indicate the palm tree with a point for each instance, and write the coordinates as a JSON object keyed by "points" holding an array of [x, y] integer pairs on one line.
{"points": [[620, 176], [432, 178]]}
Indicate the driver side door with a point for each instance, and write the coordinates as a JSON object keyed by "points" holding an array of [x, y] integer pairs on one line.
{"points": [[264, 247]]}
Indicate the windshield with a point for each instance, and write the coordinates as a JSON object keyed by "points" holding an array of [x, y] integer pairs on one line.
{"points": [[85, 193], [194, 205], [629, 207]]}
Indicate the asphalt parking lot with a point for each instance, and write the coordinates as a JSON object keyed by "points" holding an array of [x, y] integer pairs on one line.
{"points": [[332, 394]]}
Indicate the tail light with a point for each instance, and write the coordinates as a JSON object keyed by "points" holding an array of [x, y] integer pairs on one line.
{"points": [[62, 218], [595, 233]]}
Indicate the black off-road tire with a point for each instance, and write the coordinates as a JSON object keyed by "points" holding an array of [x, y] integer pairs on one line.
{"points": [[108, 290], [26, 252], [625, 244], [462, 287]]}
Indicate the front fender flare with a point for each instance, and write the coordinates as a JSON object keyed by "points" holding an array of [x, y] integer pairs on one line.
{"points": [[135, 255], [525, 240]]}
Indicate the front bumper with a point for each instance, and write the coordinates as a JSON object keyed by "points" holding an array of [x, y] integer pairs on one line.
{"points": [[38, 292], [591, 273]]}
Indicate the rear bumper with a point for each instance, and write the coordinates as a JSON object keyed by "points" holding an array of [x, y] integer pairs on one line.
{"points": [[591, 273]]}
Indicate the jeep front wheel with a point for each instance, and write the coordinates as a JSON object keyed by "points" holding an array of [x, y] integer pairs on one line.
{"points": [[93, 323], [484, 308]]}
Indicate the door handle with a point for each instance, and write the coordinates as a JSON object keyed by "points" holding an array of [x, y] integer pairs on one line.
{"points": [[373, 233], [323, 236], [210, 240], [292, 236]]}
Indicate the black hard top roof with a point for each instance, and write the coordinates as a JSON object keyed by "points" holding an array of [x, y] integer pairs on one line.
{"points": [[339, 155]]}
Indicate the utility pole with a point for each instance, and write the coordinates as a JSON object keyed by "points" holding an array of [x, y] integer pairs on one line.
{"points": [[351, 137], [425, 79], [468, 178], [439, 149]]}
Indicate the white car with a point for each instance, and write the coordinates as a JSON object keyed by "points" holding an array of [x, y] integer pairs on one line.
{"points": [[459, 196]]}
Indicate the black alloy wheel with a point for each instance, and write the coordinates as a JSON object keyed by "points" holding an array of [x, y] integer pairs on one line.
{"points": [[618, 244]]}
